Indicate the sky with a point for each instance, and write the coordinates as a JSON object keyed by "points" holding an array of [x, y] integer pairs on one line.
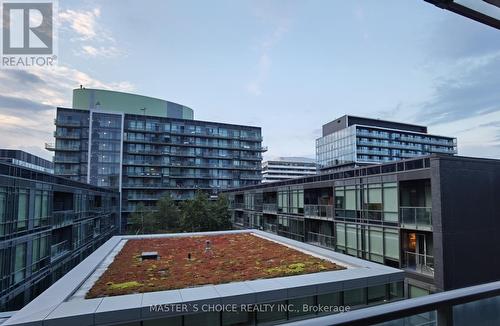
{"points": [[286, 66]]}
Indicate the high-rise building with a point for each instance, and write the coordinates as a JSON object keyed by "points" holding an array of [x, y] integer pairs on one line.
{"points": [[22, 158], [436, 217], [355, 141], [48, 224], [147, 147], [284, 168]]}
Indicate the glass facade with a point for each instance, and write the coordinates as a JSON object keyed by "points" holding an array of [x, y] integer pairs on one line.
{"points": [[105, 150], [152, 156], [357, 144], [376, 218], [47, 226]]}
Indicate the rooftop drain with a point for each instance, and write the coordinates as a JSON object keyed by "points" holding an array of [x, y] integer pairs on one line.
{"points": [[151, 255]]}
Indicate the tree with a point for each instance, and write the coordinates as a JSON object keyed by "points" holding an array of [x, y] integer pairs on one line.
{"points": [[196, 215], [220, 213], [167, 215], [136, 219]]}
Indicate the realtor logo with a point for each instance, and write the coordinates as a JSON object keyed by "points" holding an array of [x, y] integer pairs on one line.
{"points": [[27, 34]]}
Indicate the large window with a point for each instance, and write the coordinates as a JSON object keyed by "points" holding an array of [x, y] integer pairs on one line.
{"points": [[20, 263], [41, 208], [3, 211], [390, 202], [22, 209]]}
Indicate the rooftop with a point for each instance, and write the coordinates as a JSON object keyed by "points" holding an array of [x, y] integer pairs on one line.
{"points": [[64, 303], [198, 260]]}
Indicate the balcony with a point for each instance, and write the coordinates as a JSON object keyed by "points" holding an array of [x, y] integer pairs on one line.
{"points": [[270, 208], [70, 148], [67, 135], [69, 159], [143, 174], [272, 228], [237, 206], [416, 218], [321, 240], [320, 212], [62, 218], [419, 263], [65, 122], [59, 249]]}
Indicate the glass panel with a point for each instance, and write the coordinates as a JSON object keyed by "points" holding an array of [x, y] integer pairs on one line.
{"points": [[20, 262], [354, 297], [3, 208], [391, 241], [340, 230], [376, 241], [172, 321], [22, 209], [272, 314], [377, 294], [298, 310], [236, 318], [203, 319], [351, 239]]}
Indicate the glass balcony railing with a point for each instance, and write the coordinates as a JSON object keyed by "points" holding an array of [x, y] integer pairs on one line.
{"points": [[269, 227], [59, 249], [423, 264], [270, 208], [416, 218], [321, 240], [62, 218], [318, 211]]}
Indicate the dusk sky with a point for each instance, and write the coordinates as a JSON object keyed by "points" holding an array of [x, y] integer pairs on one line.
{"points": [[286, 66]]}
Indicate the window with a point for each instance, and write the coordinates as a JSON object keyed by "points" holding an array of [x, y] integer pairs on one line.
{"points": [[340, 230], [298, 307], [391, 241], [376, 244], [20, 263], [354, 297], [377, 294], [22, 209], [390, 202], [3, 211]]}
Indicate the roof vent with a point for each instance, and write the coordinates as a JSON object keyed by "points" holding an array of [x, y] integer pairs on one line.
{"points": [[151, 255]]}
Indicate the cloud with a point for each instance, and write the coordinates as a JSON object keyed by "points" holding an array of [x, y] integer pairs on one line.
{"points": [[86, 30], [263, 67], [83, 23], [28, 100], [474, 89]]}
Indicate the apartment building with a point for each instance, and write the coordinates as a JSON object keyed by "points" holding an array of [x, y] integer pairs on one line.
{"points": [[435, 217], [351, 141], [146, 147], [284, 168], [48, 224]]}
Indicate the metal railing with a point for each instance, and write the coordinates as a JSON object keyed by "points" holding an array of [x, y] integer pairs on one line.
{"points": [[321, 240], [418, 218], [423, 264], [319, 211], [479, 303]]}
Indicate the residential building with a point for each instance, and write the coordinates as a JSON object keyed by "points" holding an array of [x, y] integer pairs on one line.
{"points": [[284, 168], [355, 141], [22, 158], [48, 224], [147, 147], [435, 217], [247, 301]]}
